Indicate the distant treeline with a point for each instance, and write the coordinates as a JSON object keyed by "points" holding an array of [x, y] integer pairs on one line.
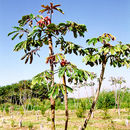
{"points": [[19, 92]]}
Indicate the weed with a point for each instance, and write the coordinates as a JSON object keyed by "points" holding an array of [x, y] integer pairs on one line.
{"points": [[80, 112], [7, 110], [43, 110], [12, 123], [128, 118], [48, 118], [30, 126]]}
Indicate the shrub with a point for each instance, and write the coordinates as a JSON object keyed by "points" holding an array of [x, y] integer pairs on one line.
{"points": [[2, 108], [106, 100], [33, 103], [58, 103], [43, 110], [47, 103], [124, 100], [5, 107], [81, 108], [71, 104], [79, 112], [88, 103], [7, 110]]}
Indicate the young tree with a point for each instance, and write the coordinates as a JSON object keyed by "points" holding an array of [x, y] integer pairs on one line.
{"points": [[66, 70], [114, 82], [120, 81], [73, 74], [42, 32], [117, 55]]}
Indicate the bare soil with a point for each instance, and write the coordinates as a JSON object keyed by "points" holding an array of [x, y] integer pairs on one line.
{"points": [[34, 120]]}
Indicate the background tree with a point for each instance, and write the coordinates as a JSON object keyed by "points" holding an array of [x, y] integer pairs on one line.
{"points": [[114, 82], [120, 81], [117, 55]]}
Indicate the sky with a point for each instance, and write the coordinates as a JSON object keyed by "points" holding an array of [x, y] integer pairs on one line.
{"points": [[99, 16]]}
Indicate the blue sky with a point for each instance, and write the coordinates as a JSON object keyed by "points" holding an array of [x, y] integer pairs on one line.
{"points": [[100, 16]]}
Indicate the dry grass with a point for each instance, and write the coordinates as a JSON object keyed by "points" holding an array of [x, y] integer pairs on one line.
{"points": [[96, 123]]}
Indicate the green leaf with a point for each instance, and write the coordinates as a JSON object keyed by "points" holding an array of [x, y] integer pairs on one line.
{"points": [[107, 39], [61, 56], [32, 16], [72, 46], [86, 58], [60, 10], [93, 59], [62, 24], [85, 75], [97, 56], [70, 28], [69, 89], [119, 64], [75, 34], [112, 51], [92, 41], [55, 92], [62, 71], [126, 63], [101, 50], [100, 39], [31, 86], [17, 28], [106, 50], [67, 73], [69, 22], [33, 31], [51, 91], [117, 48], [56, 58], [20, 46], [125, 47], [34, 81], [11, 33], [114, 63], [40, 16], [62, 89], [15, 36]]}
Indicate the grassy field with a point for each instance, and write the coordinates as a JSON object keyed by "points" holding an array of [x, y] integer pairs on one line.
{"points": [[33, 120]]}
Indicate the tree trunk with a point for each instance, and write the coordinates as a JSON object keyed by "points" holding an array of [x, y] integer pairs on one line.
{"points": [[96, 96], [66, 103], [92, 98], [20, 123], [119, 103], [52, 76], [115, 97]]}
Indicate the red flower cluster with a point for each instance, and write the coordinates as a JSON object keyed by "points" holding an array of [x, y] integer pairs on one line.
{"points": [[44, 22], [64, 62]]}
